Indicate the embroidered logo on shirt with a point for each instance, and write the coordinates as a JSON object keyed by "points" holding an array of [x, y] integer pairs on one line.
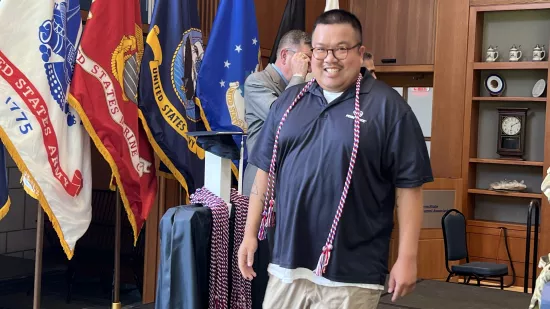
{"points": [[360, 115]]}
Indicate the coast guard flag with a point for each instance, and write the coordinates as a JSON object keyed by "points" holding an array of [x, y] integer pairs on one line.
{"points": [[232, 54], [43, 135], [167, 100], [4, 197], [104, 92]]}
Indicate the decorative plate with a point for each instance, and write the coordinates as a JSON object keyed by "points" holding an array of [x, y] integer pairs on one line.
{"points": [[539, 88], [495, 85]]}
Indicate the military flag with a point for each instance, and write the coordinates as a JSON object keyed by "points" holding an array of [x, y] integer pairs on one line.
{"points": [[4, 196], [294, 18], [232, 54], [167, 100], [42, 133], [332, 5], [104, 92]]}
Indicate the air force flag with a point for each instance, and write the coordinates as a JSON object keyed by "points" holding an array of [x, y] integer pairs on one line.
{"points": [[167, 99], [232, 54], [42, 133]]}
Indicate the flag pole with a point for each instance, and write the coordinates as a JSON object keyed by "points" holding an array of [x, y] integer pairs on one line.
{"points": [[38, 257], [116, 289]]}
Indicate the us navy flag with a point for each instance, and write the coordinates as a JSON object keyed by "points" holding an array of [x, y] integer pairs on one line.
{"points": [[233, 53], [4, 197], [168, 104]]}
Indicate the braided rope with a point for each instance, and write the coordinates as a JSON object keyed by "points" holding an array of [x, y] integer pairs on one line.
{"points": [[241, 296], [268, 216], [219, 249]]}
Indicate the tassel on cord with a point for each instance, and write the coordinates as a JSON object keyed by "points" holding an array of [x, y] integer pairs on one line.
{"points": [[323, 260]]}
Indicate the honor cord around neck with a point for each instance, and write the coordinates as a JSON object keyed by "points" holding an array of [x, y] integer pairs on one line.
{"points": [[268, 216]]}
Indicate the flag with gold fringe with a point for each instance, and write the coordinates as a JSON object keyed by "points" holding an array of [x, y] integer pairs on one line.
{"points": [[168, 104], [41, 132], [104, 92], [233, 53], [4, 194]]}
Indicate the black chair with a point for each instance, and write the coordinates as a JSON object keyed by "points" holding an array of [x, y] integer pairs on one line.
{"points": [[453, 224]]}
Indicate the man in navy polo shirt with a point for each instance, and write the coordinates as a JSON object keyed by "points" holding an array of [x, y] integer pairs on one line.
{"points": [[333, 157]]}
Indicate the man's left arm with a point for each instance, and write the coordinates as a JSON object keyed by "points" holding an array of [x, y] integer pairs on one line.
{"points": [[409, 214], [407, 158]]}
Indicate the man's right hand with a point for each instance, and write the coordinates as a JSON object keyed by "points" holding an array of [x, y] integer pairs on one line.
{"points": [[299, 64], [246, 257]]}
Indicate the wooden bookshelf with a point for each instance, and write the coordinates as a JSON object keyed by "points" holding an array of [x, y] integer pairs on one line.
{"points": [[506, 162], [510, 99], [521, 65], [505, 193], [489, 25]]}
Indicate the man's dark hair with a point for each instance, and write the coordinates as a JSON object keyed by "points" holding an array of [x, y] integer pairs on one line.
{"points": [[340, 17], [294, 38]]}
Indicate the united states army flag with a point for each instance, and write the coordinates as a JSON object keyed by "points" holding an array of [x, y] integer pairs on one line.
{"points": [[44, 136]]}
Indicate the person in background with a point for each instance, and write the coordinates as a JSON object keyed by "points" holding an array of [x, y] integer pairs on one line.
{"points": [[262, 88], [368, 65], [339, 154]]}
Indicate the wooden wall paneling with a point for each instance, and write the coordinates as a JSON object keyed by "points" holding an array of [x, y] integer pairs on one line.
{"points": [[471, 115], [400, 30], [268, 15], [207, 13], [486, 243], [451, 38], [152, 245], [502, 2]]}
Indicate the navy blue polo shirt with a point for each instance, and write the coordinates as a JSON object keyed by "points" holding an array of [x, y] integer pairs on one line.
{"points": [[315, 145]]}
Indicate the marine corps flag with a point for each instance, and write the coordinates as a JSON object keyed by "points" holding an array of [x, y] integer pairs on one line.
{"points": [[232, 54], [167, 100], [104, 92], [4, 197], [43, 135]]}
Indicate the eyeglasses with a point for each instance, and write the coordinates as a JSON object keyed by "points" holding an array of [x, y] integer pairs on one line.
{"points": [[340, 53]]}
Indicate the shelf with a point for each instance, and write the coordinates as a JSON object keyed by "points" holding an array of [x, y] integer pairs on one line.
{"points": [[511, 99], [506, 162], [501, 193], [522, 65], [421, 68]]}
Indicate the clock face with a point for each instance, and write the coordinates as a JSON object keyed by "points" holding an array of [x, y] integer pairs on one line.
{"points": [[511, 125]]}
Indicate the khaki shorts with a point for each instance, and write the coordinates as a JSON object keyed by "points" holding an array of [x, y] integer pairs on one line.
{"points": [[304, 294]]}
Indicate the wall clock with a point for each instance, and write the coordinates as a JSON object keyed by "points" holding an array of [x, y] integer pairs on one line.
{"points": [[511, 133]]}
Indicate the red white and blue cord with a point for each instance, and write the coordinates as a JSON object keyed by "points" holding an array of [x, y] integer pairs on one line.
{"points": [[268, 215]]}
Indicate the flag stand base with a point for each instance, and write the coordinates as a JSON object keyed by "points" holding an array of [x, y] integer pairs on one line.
{"points": [[116, 306]]}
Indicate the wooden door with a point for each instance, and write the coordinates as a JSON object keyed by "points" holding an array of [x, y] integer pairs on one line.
{"points": [[397, 32]]}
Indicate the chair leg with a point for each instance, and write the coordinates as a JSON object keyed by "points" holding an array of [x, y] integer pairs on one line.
{"points": [[502, 282], [468, 280], [478, 281], [449, 277]]}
